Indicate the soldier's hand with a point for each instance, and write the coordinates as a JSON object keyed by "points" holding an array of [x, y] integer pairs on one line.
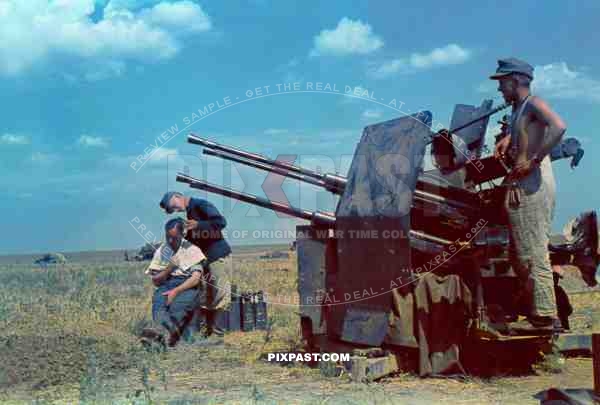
{"points": [[171, 294], [191, 224], [521, 170], [501, 147]]}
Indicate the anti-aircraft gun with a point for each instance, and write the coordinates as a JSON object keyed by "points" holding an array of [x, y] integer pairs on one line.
{"points": [[363, 270]]}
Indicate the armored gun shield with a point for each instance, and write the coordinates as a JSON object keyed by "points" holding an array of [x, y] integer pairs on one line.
{"points": [[453, 153], [372, 228]]}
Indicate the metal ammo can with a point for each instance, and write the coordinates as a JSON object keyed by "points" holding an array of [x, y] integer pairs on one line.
{"points": [[235, 321], [247, 312], [260, 311]]}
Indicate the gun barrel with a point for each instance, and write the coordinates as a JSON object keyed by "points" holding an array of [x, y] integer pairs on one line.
{"points": [[334, 185], [192, 138], [264, 166], [317, 218]]}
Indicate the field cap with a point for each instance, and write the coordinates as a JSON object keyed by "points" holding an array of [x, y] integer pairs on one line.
{"points": [[164, 203], [512, 65]]}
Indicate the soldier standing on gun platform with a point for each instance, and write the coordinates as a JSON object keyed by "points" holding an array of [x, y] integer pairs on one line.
{"points": [[204, 226], [534, 130]]}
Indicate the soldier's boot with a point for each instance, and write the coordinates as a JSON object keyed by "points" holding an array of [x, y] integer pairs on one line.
{"points": [[536, 326], [153, 340], [220, 321], [201, 324]]}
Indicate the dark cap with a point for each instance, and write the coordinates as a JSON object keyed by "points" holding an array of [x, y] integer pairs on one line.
{"points": [[512, 65], [164, 203]]}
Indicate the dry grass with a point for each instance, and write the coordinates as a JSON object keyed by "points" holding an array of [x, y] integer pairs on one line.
{"points": [[68, 335], [75, 326]]}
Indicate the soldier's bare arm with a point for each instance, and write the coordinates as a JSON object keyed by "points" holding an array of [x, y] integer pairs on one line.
{"points": [[163, 275], [501, 147], [555, 126]]}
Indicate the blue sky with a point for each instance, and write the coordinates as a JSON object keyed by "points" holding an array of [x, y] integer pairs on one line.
{"points": [[86, 87]]}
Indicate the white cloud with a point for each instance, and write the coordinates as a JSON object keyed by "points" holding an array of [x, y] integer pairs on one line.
{"points": [[35, 32], [370, 115], [556, 80], [92, 141], [157, 158], [389, 68], [12, 139], [169, 157], [182, 15], [349, 37], [39, 157], [451, 54], [164, 153], [289, 70]]}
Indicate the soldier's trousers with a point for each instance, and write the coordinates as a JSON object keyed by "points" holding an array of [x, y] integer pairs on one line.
{"points": [[218, 284], [216, 297], [529, 226], [177, 318]]}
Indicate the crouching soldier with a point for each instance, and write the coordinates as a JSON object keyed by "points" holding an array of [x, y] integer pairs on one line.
{"points": [[176, 271]]}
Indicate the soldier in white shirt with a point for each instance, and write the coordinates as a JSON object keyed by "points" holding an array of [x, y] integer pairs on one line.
{"points": [[176, 270]]}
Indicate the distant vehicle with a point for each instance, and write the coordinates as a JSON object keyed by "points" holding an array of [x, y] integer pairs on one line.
{"points": [[50, 258], [146, 252], [276, 255]]}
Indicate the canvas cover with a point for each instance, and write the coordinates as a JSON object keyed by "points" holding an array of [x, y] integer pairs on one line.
{"points": [[372, 227]]}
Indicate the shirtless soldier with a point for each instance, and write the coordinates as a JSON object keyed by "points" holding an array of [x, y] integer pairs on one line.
{"points": [[534, 130]]}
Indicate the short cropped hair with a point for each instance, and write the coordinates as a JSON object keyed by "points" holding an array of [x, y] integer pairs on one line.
{"points": [[178, 223]]}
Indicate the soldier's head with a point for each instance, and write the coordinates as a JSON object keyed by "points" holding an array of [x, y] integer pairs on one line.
{"points": [[514, 78], [173, 201], [174, 230]]}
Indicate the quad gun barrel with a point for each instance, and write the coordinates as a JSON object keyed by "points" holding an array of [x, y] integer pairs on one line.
{"points": [[332, 182], [317, 218]]}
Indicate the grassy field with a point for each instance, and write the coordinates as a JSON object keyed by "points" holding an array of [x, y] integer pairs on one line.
{"points": [[68, 335]]}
